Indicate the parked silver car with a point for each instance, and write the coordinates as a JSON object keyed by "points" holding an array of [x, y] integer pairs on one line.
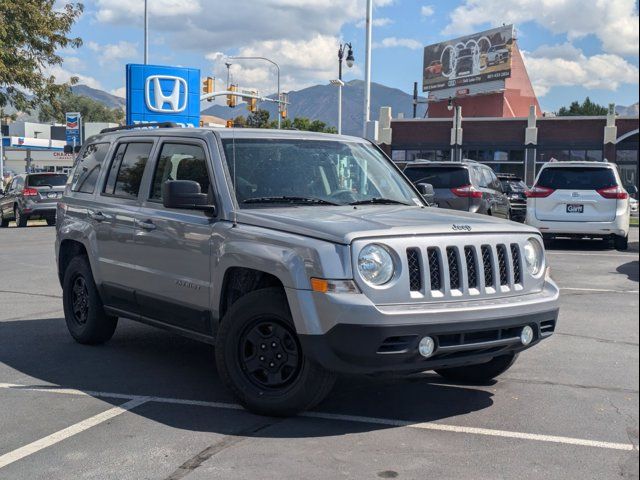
{"points": [[299, 256], [31, 196]]}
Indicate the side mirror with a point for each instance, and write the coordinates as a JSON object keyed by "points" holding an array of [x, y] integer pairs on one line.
{"points": [[427, 192], [185, 194]]}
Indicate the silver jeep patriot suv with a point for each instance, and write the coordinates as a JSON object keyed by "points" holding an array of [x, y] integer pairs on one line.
{"points": [[298, 256]]}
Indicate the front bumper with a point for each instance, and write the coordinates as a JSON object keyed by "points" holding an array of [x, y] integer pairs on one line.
{"points": [[347, 333], [367, 349]]}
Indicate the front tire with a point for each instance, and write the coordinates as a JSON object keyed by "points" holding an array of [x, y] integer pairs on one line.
{"points": [[259, 357], [481, 373], [83, 310], [4, 222]]}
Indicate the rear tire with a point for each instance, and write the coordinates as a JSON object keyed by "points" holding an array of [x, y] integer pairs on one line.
{"points": [[51, 222], [21, 219], [259, 357], [621, 243], [481, 373], [83, 310]]}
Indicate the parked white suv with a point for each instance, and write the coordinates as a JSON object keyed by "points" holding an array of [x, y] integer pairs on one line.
{"points": [[580, 200]]}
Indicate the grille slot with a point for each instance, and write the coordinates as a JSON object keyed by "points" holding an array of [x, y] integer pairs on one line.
{"points": [[548, 327], [472, 272], [454, 269], [435, 273], [517, 269], [503, 265], [488, 265], [415, 272]]}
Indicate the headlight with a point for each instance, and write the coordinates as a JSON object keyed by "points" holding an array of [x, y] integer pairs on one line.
{"points": [[375, 264], [534, 256]]}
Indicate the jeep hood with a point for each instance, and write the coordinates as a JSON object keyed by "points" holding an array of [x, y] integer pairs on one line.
{"points": [[345, 224]]}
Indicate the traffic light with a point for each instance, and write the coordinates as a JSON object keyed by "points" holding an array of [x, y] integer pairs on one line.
{"points": [[232, 100], [284, 101], [252, 104], [207, 85]]}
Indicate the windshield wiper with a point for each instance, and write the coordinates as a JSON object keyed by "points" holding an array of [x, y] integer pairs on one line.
{"points": [[379, 201], [290, 199]]}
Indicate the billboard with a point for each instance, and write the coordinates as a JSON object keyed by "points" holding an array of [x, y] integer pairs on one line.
{"points": [[163, 94], [479, 58]]}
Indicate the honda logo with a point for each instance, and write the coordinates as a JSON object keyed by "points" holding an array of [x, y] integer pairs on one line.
{"points": [[176, 99]]}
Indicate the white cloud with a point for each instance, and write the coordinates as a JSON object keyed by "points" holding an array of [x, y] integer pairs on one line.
{"points": [[119, 92], [427, 10], [565, 65], [301, 35], [114, 52], [376, 22], [63, 75], [394, 42], [614, 22]]}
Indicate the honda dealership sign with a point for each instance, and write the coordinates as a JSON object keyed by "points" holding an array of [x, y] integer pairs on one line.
{"points": [[483, 57], [163, 94]]}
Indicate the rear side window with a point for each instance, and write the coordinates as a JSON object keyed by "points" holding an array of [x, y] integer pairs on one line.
{"points": [[46, 180], [439, 177], [127, 168], [180, 162], [88, 167], [576, 178]]}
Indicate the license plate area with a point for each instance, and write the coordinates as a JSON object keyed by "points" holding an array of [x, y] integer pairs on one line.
{"points": [[575, 208]]}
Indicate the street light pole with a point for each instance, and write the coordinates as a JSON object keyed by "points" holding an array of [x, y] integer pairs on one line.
{"points": [[339, 83], [146, 33], [367, 68], [278, 71]]}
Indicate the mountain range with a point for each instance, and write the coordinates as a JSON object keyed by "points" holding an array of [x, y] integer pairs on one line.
{"points": [[320, 102]]}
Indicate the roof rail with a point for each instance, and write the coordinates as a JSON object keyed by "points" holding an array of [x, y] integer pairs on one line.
{"points": [[141, 125]]}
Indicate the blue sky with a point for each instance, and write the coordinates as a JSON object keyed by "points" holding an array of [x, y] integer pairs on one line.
{"points": [[572, 48]]}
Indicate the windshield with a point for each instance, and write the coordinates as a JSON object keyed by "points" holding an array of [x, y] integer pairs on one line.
{"points": [[46, 180], [577, 178], [269, 172], [439, 177]]}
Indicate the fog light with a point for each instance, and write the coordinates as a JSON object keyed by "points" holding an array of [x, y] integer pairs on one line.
{"points": [[526, 337], [426, 347]]}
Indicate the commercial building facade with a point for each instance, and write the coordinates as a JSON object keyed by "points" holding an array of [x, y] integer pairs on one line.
{"points": [[521, 145]]}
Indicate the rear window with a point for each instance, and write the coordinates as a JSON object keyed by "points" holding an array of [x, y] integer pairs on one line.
{"points": [[46, 180], [516, 186], [570, 178], [439, 177]]}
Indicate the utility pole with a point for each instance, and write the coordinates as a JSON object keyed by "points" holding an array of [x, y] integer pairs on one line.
{"points": [[367, 68], [146, 33]]}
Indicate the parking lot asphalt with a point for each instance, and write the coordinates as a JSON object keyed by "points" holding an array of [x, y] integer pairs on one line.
{"points": [[149, 404]]}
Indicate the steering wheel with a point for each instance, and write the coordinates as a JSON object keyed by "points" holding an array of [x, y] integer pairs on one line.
{"points": [[344, 195]]}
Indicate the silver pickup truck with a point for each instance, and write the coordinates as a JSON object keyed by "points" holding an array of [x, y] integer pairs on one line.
{"points": [[298, 255]]}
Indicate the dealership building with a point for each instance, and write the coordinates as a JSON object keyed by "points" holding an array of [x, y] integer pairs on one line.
{"points": [[490, 114]]}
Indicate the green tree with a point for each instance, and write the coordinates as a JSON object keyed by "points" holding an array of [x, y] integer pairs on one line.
{"points": [[91, 110], [258, 119], [586, 108], [31, 34]]}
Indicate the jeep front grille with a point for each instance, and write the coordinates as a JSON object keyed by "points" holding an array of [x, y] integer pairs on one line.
{"points": [[465, 269]]}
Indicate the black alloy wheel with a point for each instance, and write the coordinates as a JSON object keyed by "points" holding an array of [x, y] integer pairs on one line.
{"points": [[269, 354], [80, 300]]}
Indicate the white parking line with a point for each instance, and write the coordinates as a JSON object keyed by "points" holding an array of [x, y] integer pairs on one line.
{"points": [[598, 290], [74, 429], [136, 400], [590, 254]]}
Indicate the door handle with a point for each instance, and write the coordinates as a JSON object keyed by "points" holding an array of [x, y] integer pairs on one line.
{"points": [[98, 216], [147, 225]]}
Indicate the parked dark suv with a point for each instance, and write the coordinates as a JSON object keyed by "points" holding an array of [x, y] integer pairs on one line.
{"points": [[516, 190], [468, 186], [32, 196]]}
